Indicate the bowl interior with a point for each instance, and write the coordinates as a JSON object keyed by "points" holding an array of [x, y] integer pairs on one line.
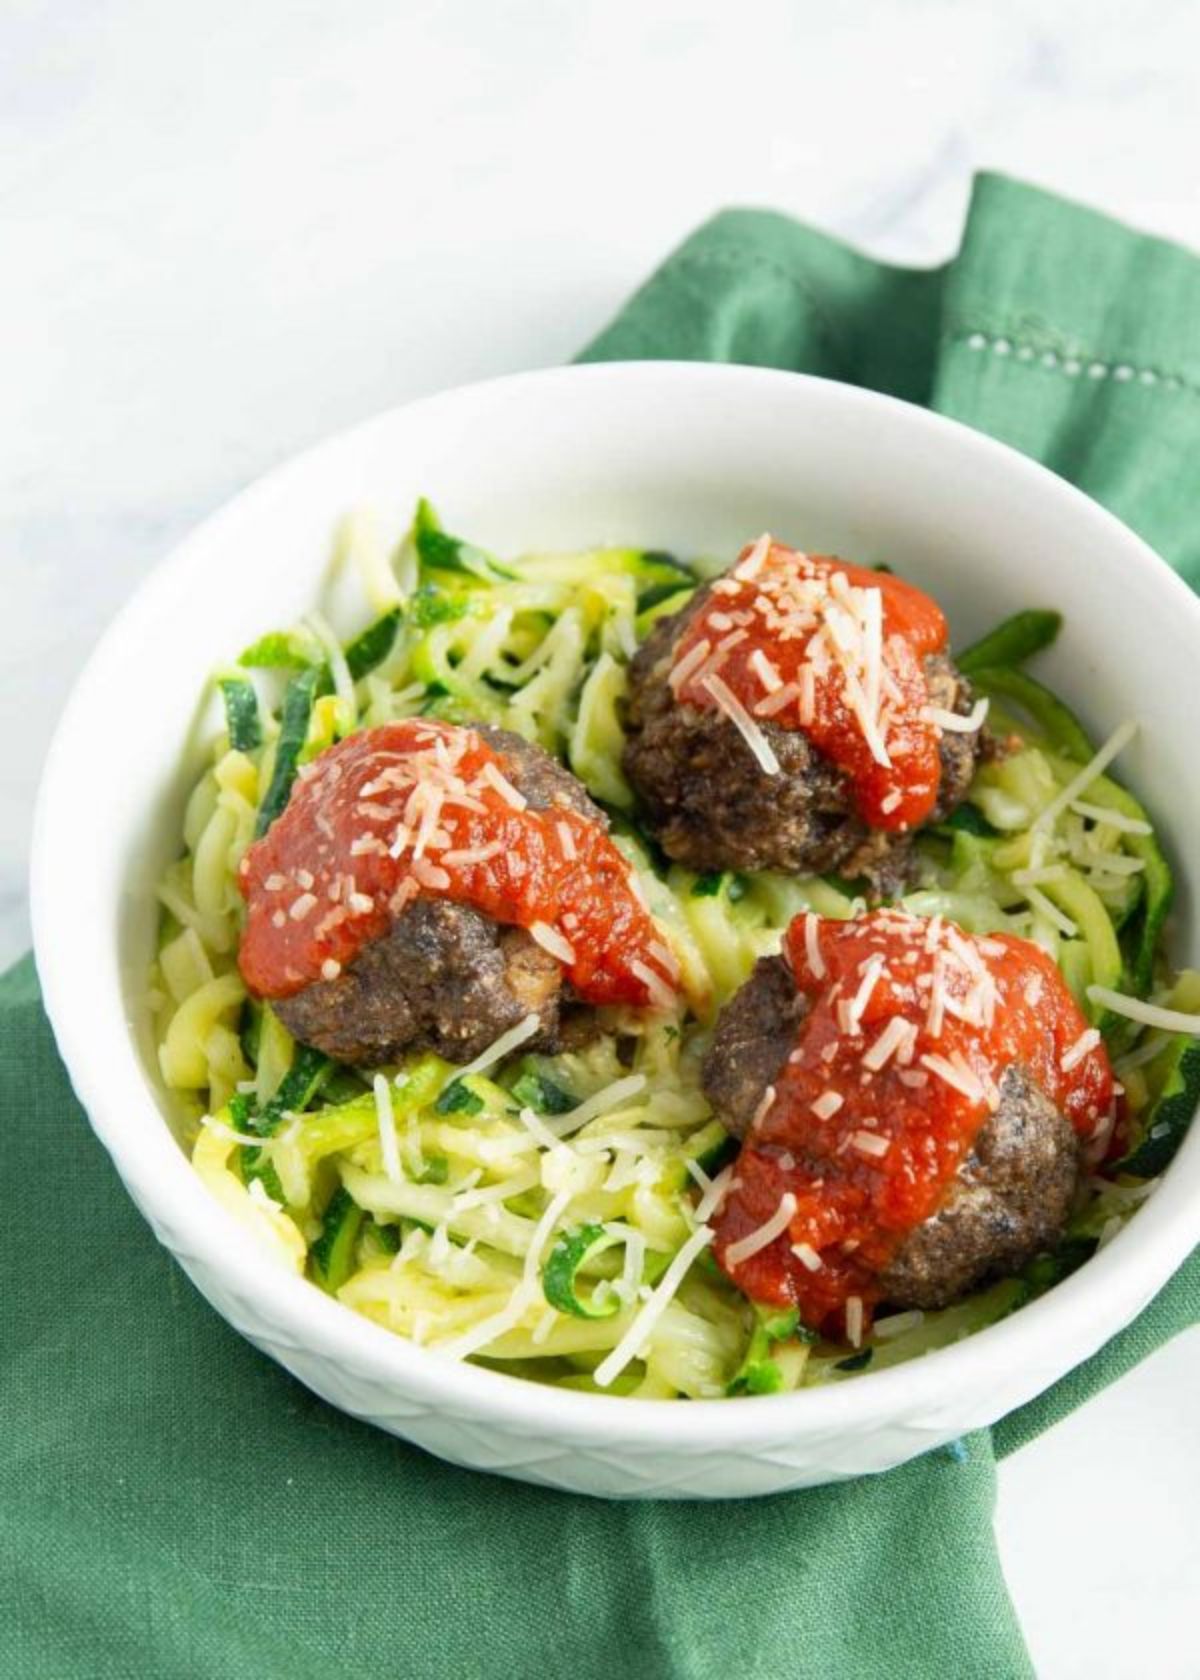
{"points": [[689, 458]]}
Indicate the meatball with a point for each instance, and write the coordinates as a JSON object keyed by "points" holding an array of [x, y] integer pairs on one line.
{"points": [[445, 977], [1008, 1202], [755, 1034], [1012, 1194], [712, 806], [542, 779]]}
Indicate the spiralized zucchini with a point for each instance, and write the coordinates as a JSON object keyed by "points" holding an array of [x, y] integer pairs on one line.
{"points": [[543, 1214]]}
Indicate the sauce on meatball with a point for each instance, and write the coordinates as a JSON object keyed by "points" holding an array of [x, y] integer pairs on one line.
{"points": [[906, 1037], [418, 810], [819, 645]]}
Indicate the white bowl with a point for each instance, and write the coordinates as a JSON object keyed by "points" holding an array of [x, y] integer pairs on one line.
{"points": [[686, 457]]}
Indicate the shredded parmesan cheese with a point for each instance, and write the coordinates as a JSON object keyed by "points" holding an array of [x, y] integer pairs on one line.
{"points": [[1149, 1014], [522, 1298], [955, 723], [697, 1173], [639, 1331], [766, 1233], [231, 1136], [388, 1146], [766, 673], [551, 940], [1116, 743], [473, 854], [429, 875], [1102, 814], [853, 1011], [854, 1320], [1043, 875], [539, 1131], [750, 567], [503, 1046], [776, 702], [1083, 1046], [1045, 907], [745, 725], [601, 1102], [496, 779], [715, 1195], [954, 1072], [1112, 863], [764, 1107], [896, 1324], [691, 661], [894, 1036]]}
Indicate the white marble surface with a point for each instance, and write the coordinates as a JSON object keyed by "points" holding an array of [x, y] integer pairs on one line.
{"points": [[232, 228]]}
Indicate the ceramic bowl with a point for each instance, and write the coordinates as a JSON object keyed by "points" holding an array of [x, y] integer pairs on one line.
{"points": [[694, 459]]}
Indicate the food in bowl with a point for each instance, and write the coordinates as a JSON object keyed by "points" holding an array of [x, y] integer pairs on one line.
{"points": [[499, 971], [925, 1100], [840, 772]]}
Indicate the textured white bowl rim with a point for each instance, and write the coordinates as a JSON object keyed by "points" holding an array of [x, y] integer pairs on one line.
{"points": [[1079, 1315]]}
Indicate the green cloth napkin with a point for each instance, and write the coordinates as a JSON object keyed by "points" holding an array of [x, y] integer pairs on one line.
{"points": [[173, 1504]]}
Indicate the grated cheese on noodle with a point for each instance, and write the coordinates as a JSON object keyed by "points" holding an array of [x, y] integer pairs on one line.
{"points": [[501, 1047], [389, 1148], [1116, 743], [1102, 815], [635, 1338], [1149, 1014]]}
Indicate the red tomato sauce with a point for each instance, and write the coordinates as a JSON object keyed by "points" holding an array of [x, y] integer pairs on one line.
{"points": [[910, 1027], [835, 651], [419, 808]]}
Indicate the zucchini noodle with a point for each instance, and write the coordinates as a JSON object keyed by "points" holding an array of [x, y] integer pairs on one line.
{"points": [[542, 1214]]}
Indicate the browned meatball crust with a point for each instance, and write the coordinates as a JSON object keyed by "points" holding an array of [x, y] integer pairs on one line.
{"points": [[711, 805], [542, 779], [445, 977], [1010, 1199], [1008, 1202], [755, 1034]]}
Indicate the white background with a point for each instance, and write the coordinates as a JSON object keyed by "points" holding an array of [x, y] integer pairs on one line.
{"points": [[231, 228]]}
